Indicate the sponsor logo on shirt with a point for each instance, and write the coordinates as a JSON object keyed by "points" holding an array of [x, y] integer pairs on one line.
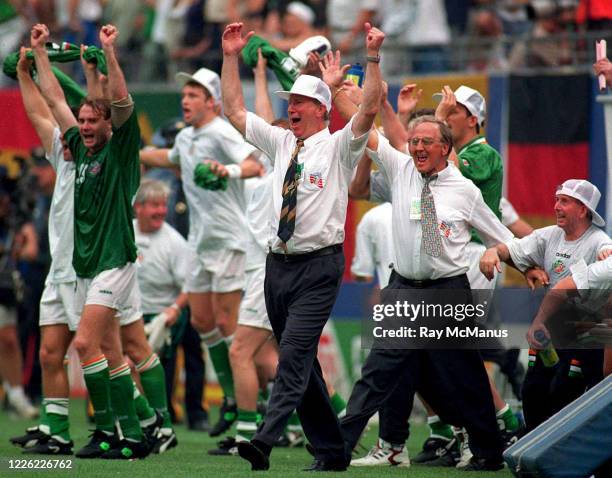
{"points": [[564, 256], [104, 291], [316, 179], [558, 266]]}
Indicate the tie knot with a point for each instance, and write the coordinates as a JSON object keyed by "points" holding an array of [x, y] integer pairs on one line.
{"points": [[429, 178]]}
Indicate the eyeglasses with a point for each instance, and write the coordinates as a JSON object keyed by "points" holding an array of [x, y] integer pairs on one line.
{"points": [[426, 141]]}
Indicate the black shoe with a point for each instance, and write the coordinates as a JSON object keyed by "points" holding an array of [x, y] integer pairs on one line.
{"points": [[310, 449], [150, 432], [51, 447], [483, 464], [128, 450], [32, 437], [322, 465], [99, 444], [166, 439], [200, 425], [256, 457], [227, 416], [227, 447], [447, 456], [432, 449]]}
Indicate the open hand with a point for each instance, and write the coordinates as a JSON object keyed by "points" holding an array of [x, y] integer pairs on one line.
{"points": [[331, 71], [447, 105], [232, 40], [408, 99]]}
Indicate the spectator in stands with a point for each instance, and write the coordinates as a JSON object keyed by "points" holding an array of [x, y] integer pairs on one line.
{"points": [[345, 22], [296, 26]]}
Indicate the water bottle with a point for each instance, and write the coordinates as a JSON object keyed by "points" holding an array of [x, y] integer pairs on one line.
{"points": [[356, 74], [548, 354]]}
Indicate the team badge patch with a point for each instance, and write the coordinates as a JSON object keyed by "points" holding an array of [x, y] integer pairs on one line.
{"points": [[94, 168], [558, 266], [316, 179]]}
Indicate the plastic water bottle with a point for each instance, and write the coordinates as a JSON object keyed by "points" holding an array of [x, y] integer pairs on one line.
{"points": [[356, 74], [548, 354]]}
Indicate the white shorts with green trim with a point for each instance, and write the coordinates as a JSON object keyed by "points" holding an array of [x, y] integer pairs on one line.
{"points": [[57, 306], [216, 271]]}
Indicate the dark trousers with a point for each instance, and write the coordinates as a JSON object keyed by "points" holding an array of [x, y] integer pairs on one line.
{"points": [[546, 390], [299, 297], [453, 382]]}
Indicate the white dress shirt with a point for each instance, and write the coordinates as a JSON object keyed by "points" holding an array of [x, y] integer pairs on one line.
{"points": [[327, 162], [459, 207]]}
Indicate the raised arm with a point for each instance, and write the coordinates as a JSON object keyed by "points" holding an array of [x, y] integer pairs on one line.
{"points": [[94, 85], [263, 105], [373, 83], [231, 90], [117, 87], [360, 183], [49, 86], [394, 130], [36, 108]]}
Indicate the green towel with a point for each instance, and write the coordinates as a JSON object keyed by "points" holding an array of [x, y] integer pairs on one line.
{"points": [[63, 53], [283, 66], [205, 178]]}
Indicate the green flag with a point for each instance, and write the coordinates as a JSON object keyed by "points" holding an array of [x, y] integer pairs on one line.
{"points": [[284, 67]]}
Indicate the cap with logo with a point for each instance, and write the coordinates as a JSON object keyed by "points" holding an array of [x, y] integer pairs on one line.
{"points": [[310, 86], [472, 100], [587, 193], [205, 77]]}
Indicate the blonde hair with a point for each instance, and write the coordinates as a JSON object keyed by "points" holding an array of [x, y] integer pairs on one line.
{"points": [[151, 189]]}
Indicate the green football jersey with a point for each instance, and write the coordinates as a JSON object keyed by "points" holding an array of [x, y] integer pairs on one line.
{"points": [[482, 164], [105, 186]]}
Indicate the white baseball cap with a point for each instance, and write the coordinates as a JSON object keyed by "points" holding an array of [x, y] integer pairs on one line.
{"points": [[205, 77], [302, 11], [310, 86], [472, 100], [587, 193]]}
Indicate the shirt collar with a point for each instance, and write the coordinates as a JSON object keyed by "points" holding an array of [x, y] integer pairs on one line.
{"points": [[475, 140], [441, 174], [317, 137]]}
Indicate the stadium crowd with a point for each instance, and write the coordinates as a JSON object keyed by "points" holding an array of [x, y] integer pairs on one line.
{"points": [[253, 276]]}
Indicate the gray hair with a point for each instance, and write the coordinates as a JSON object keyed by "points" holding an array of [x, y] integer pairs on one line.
{"points": [[446, 136], [151, 189]]}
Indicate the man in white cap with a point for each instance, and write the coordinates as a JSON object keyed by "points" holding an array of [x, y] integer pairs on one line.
{"points": [[218, 228], [556, 249], [312, 169]]}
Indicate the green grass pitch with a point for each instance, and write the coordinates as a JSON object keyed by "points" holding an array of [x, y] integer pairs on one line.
{"points": [[190, 458]]}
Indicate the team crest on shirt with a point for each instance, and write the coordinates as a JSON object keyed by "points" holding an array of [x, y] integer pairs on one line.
{"points": [[316, 179], [465, 162], [94, 168], [558, 266]]}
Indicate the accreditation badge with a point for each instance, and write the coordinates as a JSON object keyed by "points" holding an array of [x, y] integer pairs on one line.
{"points": [[415, 209]]}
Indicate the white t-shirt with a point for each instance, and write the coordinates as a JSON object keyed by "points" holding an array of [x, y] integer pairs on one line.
{"points": [[459, 207], [597, 275], [374, 248], [258, 193], [548, 249], [162, 265], [61, 215], [508, 214], [327, 162], [216, 218]]}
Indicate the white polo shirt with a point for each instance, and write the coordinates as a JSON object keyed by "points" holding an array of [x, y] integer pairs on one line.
{"points": [[374, 244], [216, 218], [162, 265], [548, 249], [327, 162], [61, 215], [459, 207]]}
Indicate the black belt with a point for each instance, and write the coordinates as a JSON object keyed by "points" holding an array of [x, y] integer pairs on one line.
{"points": [[423, 283], [325, 251]]}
